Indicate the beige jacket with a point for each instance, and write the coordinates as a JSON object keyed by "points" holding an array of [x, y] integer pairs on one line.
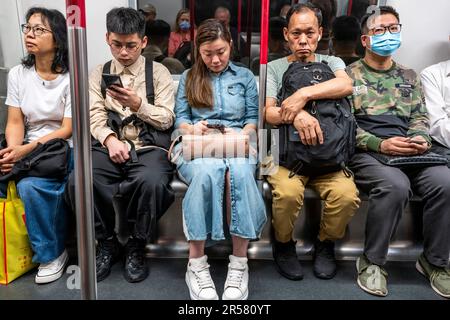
{"points": [[160, 115]]}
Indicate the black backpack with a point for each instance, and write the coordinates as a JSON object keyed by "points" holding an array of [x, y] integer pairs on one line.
{"points": [[47, 160], [335, 118]]}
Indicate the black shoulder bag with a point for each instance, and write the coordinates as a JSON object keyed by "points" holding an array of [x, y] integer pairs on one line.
{"points": [[428, 159], [47, 160]]}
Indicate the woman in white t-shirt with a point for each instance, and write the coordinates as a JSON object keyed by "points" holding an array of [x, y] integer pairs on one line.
{"points": [[39, 110]]}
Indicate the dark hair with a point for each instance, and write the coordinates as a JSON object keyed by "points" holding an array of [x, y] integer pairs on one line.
{"points": [[125, 21], [198, 81], [328, 8], [383, 10], [346, 28], [301, 7], [359, 8], [157, 30], [58, 26], [276, 25]]}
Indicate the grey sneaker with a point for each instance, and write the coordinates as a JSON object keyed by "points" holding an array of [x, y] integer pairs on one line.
{"points": [[439, 277], [371, 277]]}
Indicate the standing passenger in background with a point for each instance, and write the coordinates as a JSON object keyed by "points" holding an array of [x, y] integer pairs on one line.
{"points": [[182, 33], [39, 109], [328, 9], [359, 8], [223, 15], [436, 86], [278, 46], [158, 33], [345, 35], [217, 92], [284, 10], [149, 11]]}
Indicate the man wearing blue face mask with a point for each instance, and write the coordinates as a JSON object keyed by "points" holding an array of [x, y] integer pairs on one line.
{"points": [[389, 107]]}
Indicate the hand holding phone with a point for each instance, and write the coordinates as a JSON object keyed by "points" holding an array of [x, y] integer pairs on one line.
{"points": [[421, 145], [112, 80], [418, 142]]}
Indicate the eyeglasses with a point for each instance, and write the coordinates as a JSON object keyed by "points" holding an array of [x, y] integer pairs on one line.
{"points": [[129, 47], [37, 31], [393, 28]]}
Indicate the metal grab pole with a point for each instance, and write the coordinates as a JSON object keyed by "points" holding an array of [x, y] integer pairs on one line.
{"points": [[239, 26], [192, 31], [76, 23], [263, 56], [249, 30]]}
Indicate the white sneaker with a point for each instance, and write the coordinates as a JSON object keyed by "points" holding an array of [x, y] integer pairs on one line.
{"points": [[236, 285], [199, 281], [53, 270]]}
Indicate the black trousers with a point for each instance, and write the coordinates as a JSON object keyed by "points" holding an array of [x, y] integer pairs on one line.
{"points": [[389, 191], [442, 150], [142, 189]]}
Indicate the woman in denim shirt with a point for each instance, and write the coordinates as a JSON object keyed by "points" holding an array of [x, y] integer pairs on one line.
{"points": [[215, 91]]}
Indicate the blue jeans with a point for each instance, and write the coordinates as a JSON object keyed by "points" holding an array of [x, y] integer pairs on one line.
{"points": [[203, 204], [45, 214]]}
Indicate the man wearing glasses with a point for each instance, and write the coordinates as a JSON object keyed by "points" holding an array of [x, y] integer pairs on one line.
{"points": [[392, 119], [128, 158]]}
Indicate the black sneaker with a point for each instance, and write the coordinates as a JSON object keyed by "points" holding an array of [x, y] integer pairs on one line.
{"points": [[136, 268], [324, 260], [286, 260], [108, 253]]}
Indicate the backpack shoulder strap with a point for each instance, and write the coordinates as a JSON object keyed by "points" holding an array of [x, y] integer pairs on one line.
{"points": [[106, 69], [149, 81]]}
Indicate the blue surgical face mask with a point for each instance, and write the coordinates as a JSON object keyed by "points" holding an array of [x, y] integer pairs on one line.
{"points": [[385, 45], [185, 25]]}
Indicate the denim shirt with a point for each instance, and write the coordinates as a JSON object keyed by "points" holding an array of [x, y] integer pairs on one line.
{"points": [[235, 100]]}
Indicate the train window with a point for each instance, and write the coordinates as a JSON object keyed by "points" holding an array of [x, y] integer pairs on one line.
{"points": [[175, 48], [171, 28]]}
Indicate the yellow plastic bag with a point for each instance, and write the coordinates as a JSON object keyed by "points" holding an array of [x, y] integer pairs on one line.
{"points": [[16, 253]]}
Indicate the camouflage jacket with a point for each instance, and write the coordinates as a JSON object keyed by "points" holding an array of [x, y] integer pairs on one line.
{"points": [[387, 104]]}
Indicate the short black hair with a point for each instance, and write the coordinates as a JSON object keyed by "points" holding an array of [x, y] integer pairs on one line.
{"points": [[58, 26], [382, 10], [346, 28], [157, 30], [359, 8], [301, 7], [125, 21], [276, 25]]}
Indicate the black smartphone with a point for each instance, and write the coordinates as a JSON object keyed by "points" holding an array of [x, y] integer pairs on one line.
{"points": [[417, 142], [112, 79], [219, 127]]}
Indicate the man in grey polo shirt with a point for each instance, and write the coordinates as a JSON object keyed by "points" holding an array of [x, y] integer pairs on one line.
{"points": [[337, 190]]}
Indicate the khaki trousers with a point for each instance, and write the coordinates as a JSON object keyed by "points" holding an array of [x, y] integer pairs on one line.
{"points": [[337, 191]]}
